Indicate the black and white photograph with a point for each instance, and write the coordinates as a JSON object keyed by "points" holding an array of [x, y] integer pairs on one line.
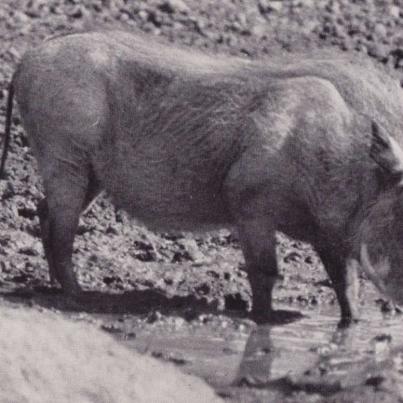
{"points": [[201, 201]]}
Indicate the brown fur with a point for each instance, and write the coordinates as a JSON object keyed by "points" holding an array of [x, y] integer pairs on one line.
{"points": [[182, 140]]}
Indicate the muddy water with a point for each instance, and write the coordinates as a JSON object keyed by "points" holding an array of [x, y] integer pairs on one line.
{"points": [[311, 354], [308, 360]]}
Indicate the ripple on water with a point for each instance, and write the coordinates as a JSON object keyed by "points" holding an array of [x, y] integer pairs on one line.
{"points": [[313, 349]]}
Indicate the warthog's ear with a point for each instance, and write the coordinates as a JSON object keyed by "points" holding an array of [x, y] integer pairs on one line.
{"points": [[387, 153]]}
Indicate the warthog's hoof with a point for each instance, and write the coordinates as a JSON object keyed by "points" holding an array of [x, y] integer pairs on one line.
{"points": [[72, 290], [69, 286]]}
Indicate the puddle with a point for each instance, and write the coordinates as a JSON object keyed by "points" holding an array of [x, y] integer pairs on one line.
{"points": [[246, 363], [312, 345], [199, 351]]}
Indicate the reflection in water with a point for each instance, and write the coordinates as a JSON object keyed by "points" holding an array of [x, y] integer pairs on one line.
{"points": [[309, 350], [258, 356], [316, 348], [267, 357]]}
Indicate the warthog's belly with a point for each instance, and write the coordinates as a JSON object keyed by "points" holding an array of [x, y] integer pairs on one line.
{"points": [[170, 184], [176, 212], [164, 196]]}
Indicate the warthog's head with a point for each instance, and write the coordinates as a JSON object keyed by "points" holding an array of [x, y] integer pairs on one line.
{"points": [[381, 233]]}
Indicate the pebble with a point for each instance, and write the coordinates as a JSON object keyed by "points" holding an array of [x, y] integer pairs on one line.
{"points": [[178, 323], [143, 14], [172, 6], [29, 250], [154, 317], [380, 30], [305, 3], [21, 17], [266, 6], [378, 51], [259, 30], [192, 249], [292, 257], [394, 11]]}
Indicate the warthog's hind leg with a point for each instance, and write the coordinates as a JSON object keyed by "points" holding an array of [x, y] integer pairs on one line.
{"points": [[43, 214], [59, 212]]}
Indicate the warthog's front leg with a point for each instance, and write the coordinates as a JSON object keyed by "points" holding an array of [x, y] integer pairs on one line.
{"points": [[258, 245], [343, 275]]}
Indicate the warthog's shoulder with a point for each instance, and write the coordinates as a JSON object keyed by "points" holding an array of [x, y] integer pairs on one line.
{"points": [[366, 88]]}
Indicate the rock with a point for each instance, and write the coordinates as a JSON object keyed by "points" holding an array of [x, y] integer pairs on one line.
{"points": [[30, 250], [380, 30], [144, 251], [275, 6], [259, 30], [154, 316], [112, 328], [143, 14], [77, 12], [192, 250], [292, 257], [394, 11], [332, 7], [44, 358], [179, 323], [309, 3], [267, 6], [124, 16], [172, 6], [20, 17], [379, 51], [7, 189]]}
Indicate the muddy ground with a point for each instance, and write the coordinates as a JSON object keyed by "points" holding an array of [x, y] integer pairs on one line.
{"points": [[180, 297]]}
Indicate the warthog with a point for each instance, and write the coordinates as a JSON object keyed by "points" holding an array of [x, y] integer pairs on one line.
{"points": [[182, 140]]}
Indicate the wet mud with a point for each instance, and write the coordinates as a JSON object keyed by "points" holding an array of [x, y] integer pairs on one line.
{"points": [[311, 359], [185, 298]]}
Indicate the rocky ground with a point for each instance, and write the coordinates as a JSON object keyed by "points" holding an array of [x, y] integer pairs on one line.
{"points": [[160, 279]]}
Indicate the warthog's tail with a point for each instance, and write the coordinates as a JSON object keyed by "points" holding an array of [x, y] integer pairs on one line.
{"points": [[7, 130]]}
